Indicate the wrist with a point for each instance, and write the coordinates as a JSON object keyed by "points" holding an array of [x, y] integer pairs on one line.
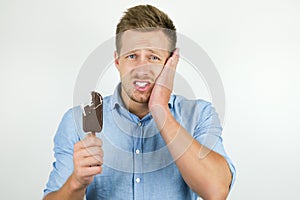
{"points": [[162, 116], [75, 184]]}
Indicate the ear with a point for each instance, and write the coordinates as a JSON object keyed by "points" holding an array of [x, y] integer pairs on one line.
{"points": [[116, 57]]}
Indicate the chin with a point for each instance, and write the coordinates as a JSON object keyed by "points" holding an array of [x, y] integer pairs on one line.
{"points": [[140, 98]]}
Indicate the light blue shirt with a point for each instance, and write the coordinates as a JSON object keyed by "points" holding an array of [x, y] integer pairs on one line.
{"points": [[137, 163]]}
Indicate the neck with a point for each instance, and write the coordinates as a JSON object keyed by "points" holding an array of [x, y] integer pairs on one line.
{"points": [[139, 109]]}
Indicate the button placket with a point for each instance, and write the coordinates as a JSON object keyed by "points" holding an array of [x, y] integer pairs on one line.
{"points": [[137, 151], [138, 180]]}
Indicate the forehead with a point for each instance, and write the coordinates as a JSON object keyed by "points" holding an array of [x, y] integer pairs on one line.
{"points": [[134, 40]]}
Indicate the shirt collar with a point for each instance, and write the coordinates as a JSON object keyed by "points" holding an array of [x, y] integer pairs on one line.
{"points": [[118, 102]]}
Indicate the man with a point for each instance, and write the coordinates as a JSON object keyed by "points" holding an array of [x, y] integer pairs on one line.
{"points": [[154, 142]]}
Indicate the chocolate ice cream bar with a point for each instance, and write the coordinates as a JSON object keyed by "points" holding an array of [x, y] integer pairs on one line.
{"points": [[92, 117]]}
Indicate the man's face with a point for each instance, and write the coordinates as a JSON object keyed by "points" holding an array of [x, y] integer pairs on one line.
{"points": [[142, 57]]}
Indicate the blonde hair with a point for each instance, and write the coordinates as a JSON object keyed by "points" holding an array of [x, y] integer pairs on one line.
{"points": [[146, 18]]}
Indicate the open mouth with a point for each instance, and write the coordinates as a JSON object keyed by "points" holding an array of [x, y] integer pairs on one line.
{"points": [[141, 85]]}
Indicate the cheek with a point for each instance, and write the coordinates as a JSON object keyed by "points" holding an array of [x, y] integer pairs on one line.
{"points": [[124, 68], [124, 73]]}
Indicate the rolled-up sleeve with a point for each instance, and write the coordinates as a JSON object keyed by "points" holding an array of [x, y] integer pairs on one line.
{"points": [[64, 140], [208, 132]]}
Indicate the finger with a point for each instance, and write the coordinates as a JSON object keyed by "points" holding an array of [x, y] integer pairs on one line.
{"points": [[91, 151], [176, 51], [166, 78], [89, 171], [91, 161], [173, 60], [88, 152], [94, 170], [96, 150], [91, 134], [90, 141]]}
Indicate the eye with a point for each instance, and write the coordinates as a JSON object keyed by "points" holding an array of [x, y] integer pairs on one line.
{"points": [[155, 58], [131, 56]]}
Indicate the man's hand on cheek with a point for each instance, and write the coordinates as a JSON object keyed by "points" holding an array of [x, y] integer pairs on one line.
{"points": [[163, 87]]}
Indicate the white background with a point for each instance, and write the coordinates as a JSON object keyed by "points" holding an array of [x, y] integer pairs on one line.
{"points": [[255, 46]]}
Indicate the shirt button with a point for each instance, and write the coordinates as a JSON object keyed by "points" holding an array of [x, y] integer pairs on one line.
{"points": [[139, 123], [137, 151], [137, 180]]}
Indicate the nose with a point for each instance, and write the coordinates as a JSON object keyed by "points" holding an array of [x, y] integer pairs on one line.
{"points": [[142, 59], [142, 70]]}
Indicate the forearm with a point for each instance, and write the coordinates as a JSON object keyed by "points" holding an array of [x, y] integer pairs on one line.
{"points": [[205, 171], [69, 191]]}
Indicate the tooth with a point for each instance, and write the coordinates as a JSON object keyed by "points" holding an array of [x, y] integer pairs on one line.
{"points": [[141, 84]]}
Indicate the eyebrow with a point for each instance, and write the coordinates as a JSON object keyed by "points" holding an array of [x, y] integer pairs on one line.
{"points": [[153, 51], [147, 49]]}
